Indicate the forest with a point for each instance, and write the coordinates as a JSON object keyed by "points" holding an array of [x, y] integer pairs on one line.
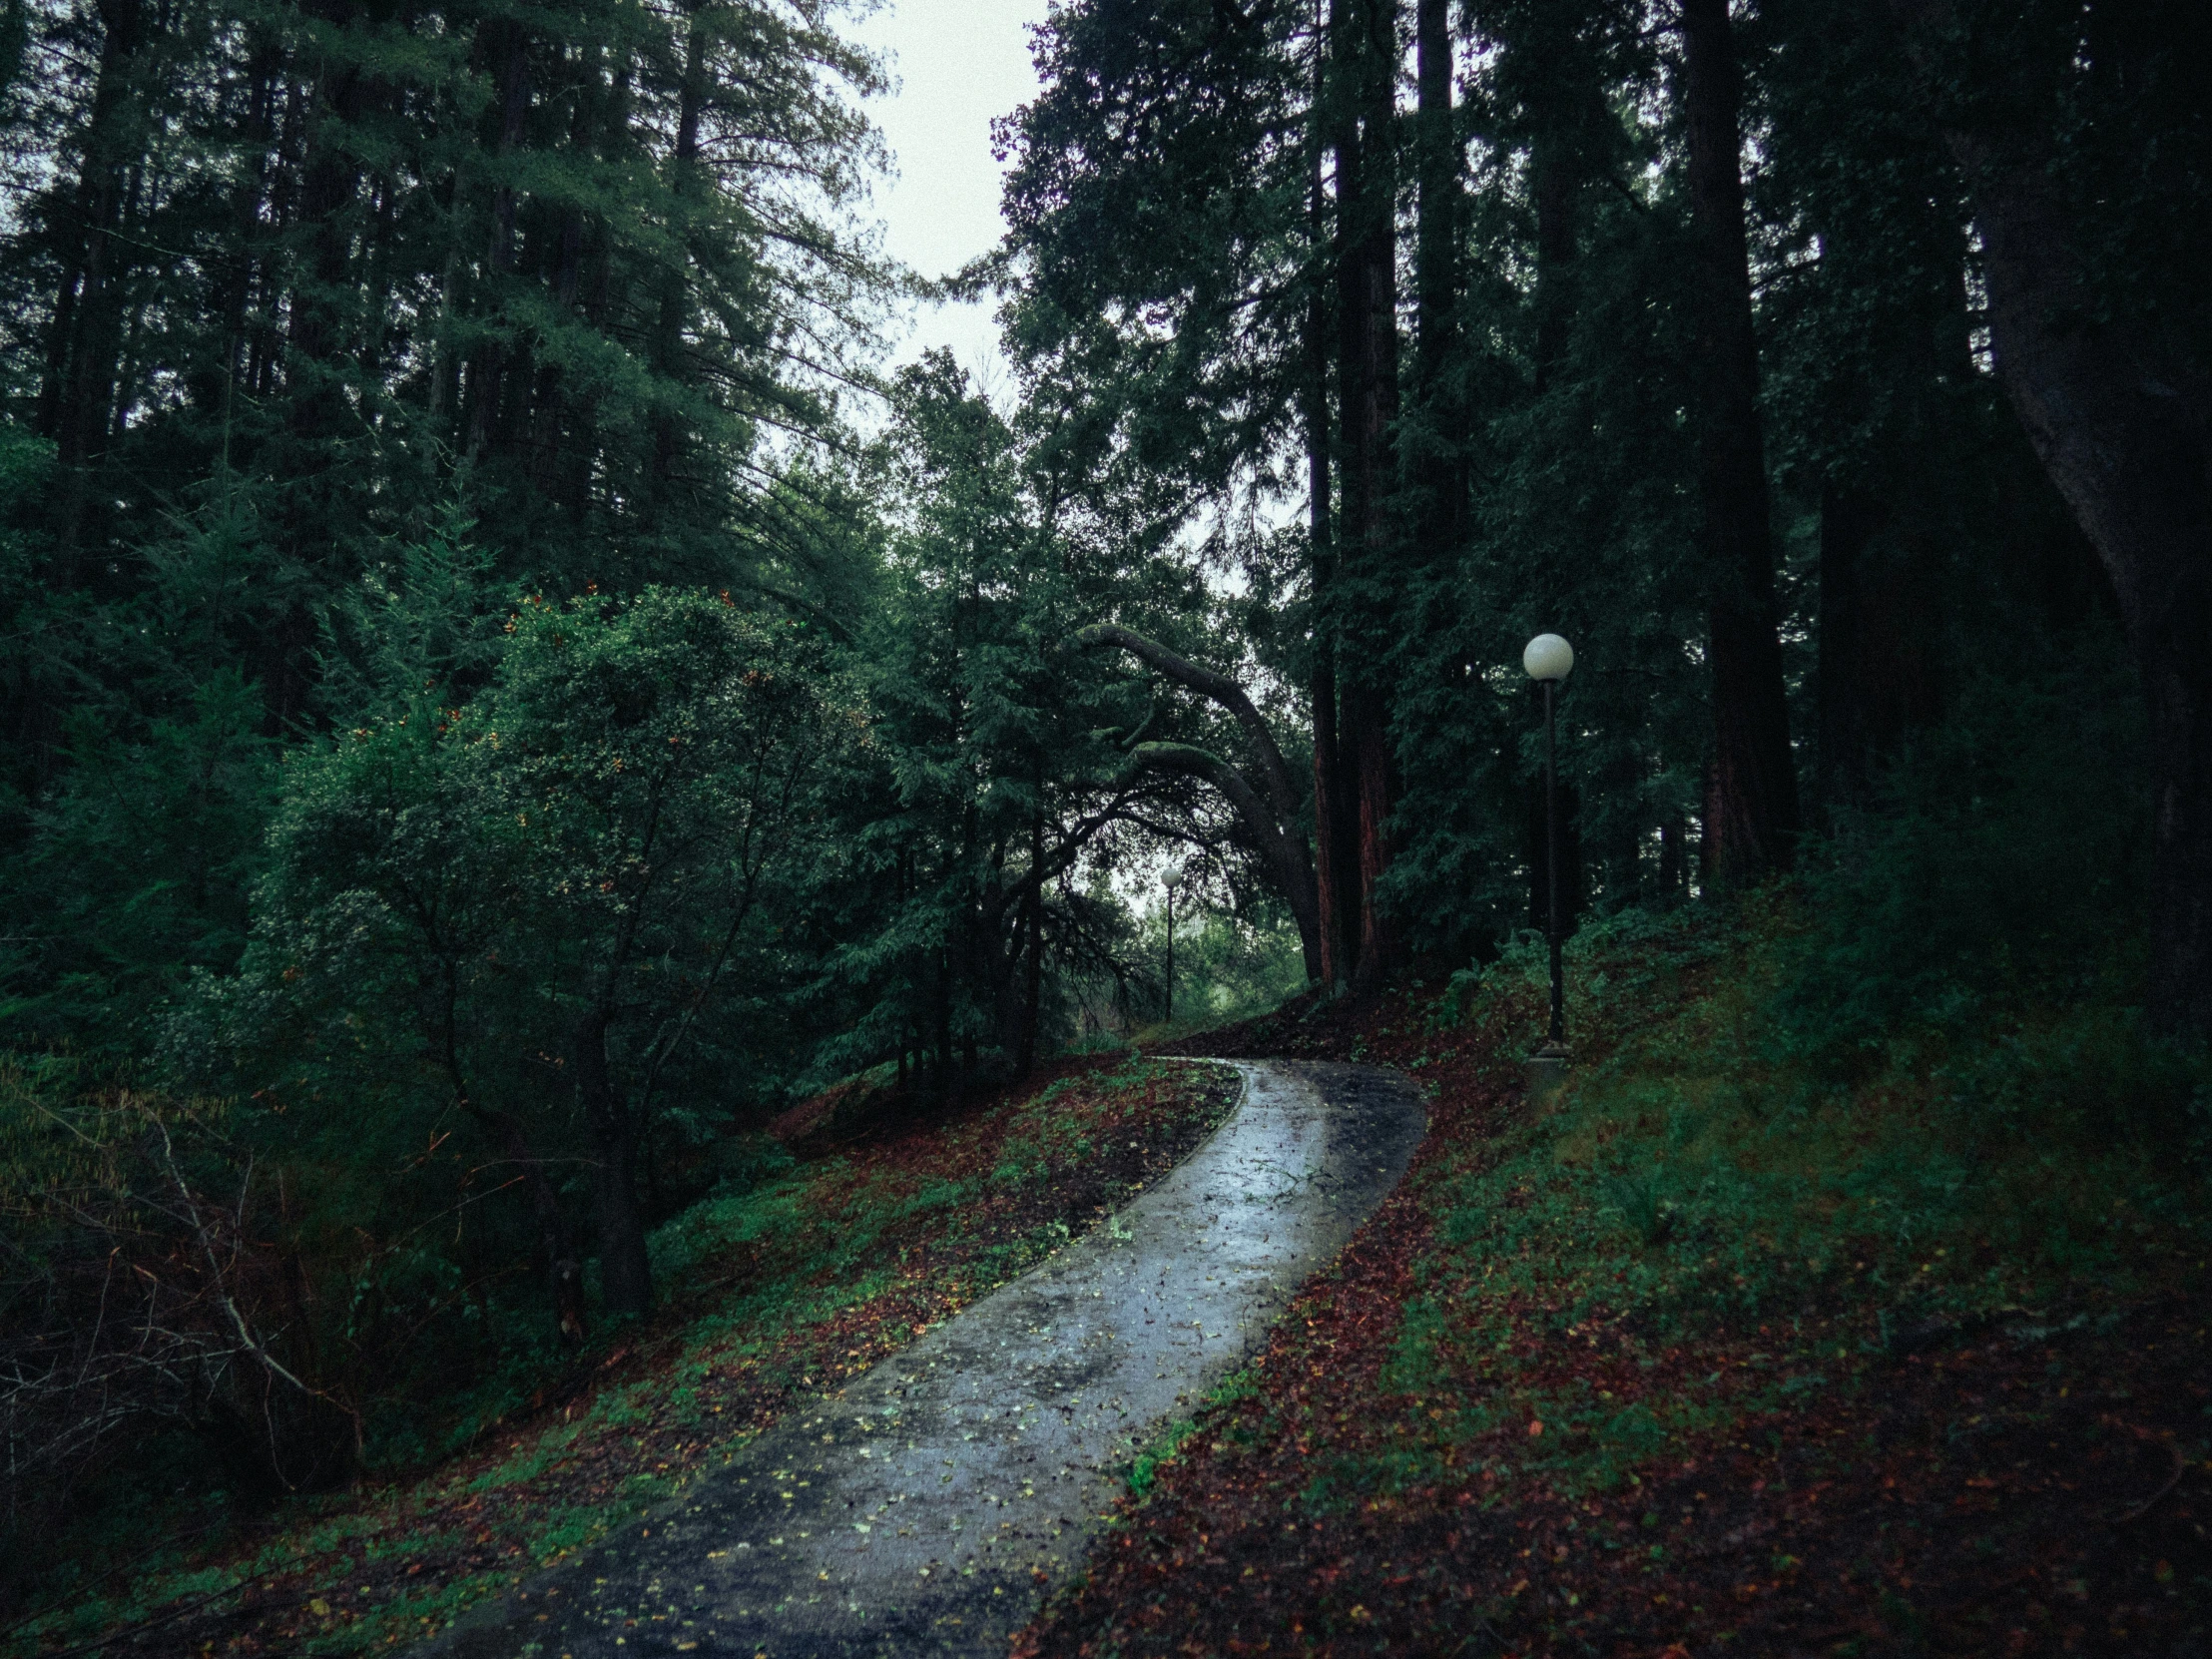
{"points": [[504, 695]]}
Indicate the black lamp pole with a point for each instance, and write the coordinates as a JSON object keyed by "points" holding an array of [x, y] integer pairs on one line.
{"points": [[1551, 860]]}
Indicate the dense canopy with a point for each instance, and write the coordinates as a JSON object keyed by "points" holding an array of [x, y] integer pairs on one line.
{"points": [[505, 694]]}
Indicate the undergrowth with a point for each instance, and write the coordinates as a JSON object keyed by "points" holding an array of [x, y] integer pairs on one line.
{"points": [[1714, 1164], [787, 1279]]}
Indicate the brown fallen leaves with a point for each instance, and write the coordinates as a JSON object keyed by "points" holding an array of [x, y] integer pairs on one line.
{"points": [[2001, 1495], [380, 1564]]}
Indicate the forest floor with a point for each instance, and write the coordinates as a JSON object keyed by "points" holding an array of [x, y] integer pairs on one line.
{"points": [[1490, 1428], [929, 1505], [893, 1221], [1544, 1403]]}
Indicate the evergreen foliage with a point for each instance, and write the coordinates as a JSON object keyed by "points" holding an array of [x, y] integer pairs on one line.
{"points": [[504, 697]]}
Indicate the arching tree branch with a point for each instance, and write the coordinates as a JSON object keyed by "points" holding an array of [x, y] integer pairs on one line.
{"points": [[1275, 776]]}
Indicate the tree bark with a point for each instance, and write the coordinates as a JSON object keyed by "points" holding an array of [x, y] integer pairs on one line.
{"points": [[1879, 654], [509, 50], [1275, 772], [1438, 472], [1555, 190], [1435, 443], [1437, 241], [85, 339], [1335, 833], [2121, 419], [1364, 52], [1756, 799], [563, 1274], [668, 348]]}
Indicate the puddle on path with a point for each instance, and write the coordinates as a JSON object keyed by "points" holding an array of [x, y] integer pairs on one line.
{"points": [[929, 1505]]}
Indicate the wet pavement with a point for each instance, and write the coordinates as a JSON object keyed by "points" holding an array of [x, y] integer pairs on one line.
{"points": [[929, 1505]]}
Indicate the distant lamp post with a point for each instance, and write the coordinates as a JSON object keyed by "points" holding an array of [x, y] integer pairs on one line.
{"points": [[1173, 878], [1549, 659]]}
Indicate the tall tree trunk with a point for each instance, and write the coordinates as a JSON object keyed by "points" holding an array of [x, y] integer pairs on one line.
{"points": [[1437, 240], [1335, 832], [625, 1272], [563, 1276], [1848, 520], [2121, 418], [1364, 50], [330, 183], [1553, 186], [675, 289], [1335, 821], [78, 391], [1756, 800], [315, 355], [1439, 468], [509, 51]]}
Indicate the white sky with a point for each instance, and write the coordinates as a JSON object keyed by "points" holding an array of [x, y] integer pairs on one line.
{"points": [[956, 64]]}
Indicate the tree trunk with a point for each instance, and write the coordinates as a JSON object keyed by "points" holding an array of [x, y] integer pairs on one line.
{"points": [[509, 51], [1554, 191], [1674, 872], [1335, 870], [85, 337], [625, 1272], [2124, 428], [330, 183], [314, 362], [1756, 801], [1437, 469], [563, 1274], [1364, 41], [1335, 828], [675, 288]]}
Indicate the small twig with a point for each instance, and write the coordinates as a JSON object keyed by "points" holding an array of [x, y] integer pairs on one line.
{"points": [[2181, 1467]]}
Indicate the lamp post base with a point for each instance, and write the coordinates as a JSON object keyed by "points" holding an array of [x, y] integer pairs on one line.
{"points": [[1547, 1073]]}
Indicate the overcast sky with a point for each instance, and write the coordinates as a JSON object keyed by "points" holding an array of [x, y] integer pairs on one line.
{"points": [[957, 64]]}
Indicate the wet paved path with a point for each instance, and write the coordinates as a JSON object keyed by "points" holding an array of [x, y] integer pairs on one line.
{"points": [[927, 1506]]}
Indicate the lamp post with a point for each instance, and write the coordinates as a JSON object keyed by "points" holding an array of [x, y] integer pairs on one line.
{"points": [[1173, 877], [1549, 659]]}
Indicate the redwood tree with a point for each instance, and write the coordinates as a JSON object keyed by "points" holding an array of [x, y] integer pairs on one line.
{"points": [[1754, 798], [2081, 131]]}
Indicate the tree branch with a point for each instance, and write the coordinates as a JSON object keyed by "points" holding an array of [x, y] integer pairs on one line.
{"points": [[1274, 775]]}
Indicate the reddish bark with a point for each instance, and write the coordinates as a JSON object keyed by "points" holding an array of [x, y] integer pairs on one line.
{"points": [[2121, 414], [1364, 47], [1756, 821]]}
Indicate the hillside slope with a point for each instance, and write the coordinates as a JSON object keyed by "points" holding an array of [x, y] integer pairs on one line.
{"points": [[781, 1288], [1682, 1367]]}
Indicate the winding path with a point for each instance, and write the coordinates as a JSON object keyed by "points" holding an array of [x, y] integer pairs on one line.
{"points": [[927, 1506]]}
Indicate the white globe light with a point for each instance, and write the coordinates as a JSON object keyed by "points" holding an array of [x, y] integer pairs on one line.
{"points": [[1548, 657]]}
